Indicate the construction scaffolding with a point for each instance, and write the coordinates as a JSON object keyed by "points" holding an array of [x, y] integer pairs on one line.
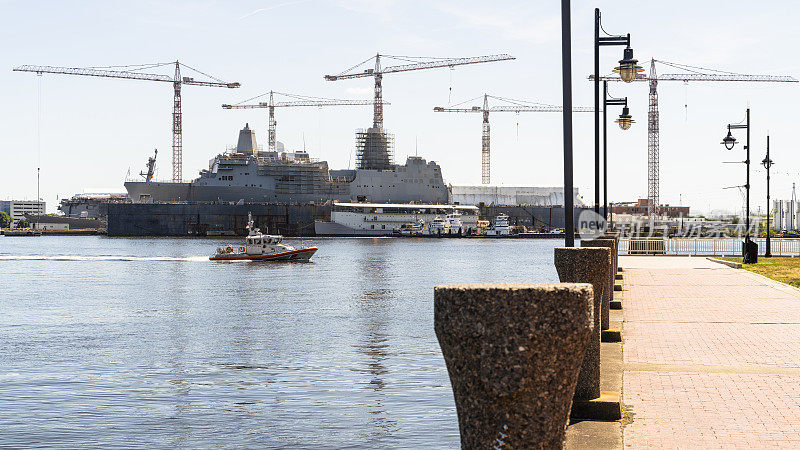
{"points": [[374, 149]]}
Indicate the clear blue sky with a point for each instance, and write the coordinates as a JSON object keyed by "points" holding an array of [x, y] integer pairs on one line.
{"points": [[94, 130]]}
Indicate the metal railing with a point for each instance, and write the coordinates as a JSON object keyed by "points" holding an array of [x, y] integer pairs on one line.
{"points": [[706, 247]]}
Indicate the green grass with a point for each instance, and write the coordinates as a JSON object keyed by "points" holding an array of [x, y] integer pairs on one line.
{"points": [[785, 270]]}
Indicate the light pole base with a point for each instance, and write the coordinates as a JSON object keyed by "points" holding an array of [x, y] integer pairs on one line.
{"points": [[749, 252]]}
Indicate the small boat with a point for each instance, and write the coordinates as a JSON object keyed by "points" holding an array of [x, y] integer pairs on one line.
{"points": [[262, 247], [500, 227], [437, 227], [454, 223]]}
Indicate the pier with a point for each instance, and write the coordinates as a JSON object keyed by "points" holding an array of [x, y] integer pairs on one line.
{"points": [[710, 355]]}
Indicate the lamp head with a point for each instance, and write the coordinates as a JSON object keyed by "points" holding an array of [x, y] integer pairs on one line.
{"points": [[625, 121], [628, 68], [767, 162], [729, 141]]}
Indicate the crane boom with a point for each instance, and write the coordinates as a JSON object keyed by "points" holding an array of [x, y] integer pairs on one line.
{"points": [[293, 104], [378, 72], [128, 75], [177, 81], [449, 62], [515, 109], [695, 74], [95, 73], [705, 77]]}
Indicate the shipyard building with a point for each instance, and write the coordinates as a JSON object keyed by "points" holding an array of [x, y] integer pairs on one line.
{"points": [[18, 209]]}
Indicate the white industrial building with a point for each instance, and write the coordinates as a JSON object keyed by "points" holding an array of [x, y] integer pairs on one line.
{"points": [[512, 196], [785, 215]]}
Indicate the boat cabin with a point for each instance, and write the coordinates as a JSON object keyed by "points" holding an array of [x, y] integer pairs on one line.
{"points": [[263, 239]]}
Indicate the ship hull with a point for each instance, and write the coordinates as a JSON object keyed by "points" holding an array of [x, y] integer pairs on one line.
{"points": [[299, 255]]}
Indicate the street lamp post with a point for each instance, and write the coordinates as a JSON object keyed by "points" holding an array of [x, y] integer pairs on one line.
{"points": [[624, 121], [627, 70], [767, 162], [566, 73], [749, 254]]}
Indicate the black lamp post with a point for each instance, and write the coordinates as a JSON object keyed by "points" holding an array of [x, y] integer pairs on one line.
{"points": [[627, 70], [750, 250], [624, 121], [566, 73], [767, 162]]}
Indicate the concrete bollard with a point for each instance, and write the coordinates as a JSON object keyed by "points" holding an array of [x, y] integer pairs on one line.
{"points": [[615, 252], [605, 323], [513, 353], [591, 265], [614, 235], [587, 265]]}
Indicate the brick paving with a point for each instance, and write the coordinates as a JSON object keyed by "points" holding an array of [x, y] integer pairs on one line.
{"points": [[711, 356]]}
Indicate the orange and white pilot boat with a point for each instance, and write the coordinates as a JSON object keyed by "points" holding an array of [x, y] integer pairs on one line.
{"points": [[262, 247]]}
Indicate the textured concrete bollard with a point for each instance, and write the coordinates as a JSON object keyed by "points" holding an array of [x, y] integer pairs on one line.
{"points": [[615, 251], [605, 323], [513, 352], [587, 265]]}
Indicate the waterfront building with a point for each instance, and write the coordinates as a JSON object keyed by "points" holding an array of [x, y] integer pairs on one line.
{"points": [[512, 196], [17, 209], [639, 208]]}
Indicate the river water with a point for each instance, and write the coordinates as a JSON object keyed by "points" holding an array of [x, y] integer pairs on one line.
{"points": [[115, 342]]}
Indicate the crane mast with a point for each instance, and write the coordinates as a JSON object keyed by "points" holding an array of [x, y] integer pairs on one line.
{"points": [[377, 114], [485, 135], [177, 129], [271, 140], [653, 165], [653, 132], [134, 74], [515, 106]]}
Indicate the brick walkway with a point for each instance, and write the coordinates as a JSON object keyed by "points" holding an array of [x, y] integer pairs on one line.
{"points": [[711, 356]]}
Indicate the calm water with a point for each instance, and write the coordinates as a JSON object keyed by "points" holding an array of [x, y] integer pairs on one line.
{"points": [[144, 342]]}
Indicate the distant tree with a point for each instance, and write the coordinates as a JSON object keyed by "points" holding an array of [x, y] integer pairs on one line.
{"points": [[5, 220], [23, 223]]}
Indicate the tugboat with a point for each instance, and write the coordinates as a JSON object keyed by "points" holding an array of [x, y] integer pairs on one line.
{"points": [[437, 227], [500, 228], [262, 247]]}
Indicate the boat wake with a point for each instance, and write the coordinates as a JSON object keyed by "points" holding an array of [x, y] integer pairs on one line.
{"points": [[99, 258]]}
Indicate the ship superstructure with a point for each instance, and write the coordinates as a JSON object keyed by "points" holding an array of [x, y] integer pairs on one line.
{"points": [[248, 174]]}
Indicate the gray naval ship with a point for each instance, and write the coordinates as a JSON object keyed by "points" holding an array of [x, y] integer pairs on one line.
{"points": [[248, 174]]}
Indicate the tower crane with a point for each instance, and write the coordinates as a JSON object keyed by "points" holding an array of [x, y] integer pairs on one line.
{"points": [[300, 100], [516, 106], [133, 74], [694, 74], [413, 63]]}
